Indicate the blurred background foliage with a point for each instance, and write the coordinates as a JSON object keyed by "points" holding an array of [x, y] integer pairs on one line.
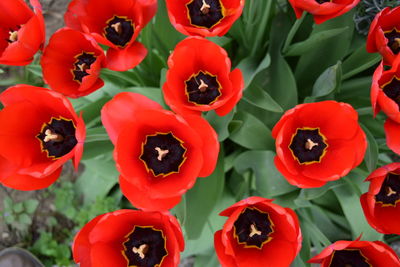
{"points": [[285, 62]]}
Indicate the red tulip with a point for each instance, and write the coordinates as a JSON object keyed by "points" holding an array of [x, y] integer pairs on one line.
{"points": [[116, 24], [384, 34], [22, 31], [39, 132], [195, 83], [159, 154], [381, 202], [258, 233], [357, 253], [129, 238], [323, 10], [311, 146], [385, 91], [204, 17], [71, 63]]}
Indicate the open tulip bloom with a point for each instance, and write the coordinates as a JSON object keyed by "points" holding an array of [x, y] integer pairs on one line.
{"points": [[311, 146], [258, 233], [384, 34], [129, 238], [39, 132], [204, 17], [71, 63], [357, 253], [116, 24], [381, 202], [200, 79], [158, 153], [22, 31]]}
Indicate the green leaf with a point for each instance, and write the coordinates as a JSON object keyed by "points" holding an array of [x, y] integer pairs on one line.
{"points": [[18, 207], [35, 70], [260, 98], [220, 124], [8, 204], [269, 181], [350, 202], [91, 111], [250, 68], [99, 176], [202, 198], [252, 133], [328, 81], [372, 153], [313, 41], [359, 61], [25, 219], [30, 205]]}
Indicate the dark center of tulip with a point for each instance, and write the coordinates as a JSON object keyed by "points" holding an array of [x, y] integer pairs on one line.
{"points": [[308, 145], [253, 228], [349, 258], [392, 90], [393, 37], [323, 1], [202, 88], [119, 30], [163, 153], [82, 63], [205, 13], [57, 137], [390, 190], [145, 246], [13, 34]]}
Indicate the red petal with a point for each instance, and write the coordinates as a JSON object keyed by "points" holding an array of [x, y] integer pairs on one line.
{"points": [[125, 59], [237, 80], [392, 131], [27, 182]]}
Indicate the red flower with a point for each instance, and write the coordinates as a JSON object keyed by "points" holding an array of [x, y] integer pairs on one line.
{"points": [[323, 10], [200, 78], [258, 233], [392, 131], [204, 17], [381, 203], [385, 90], [384, 34], [71, 63], [22, 31], [129, 238], [159, 154], [312, 146], [357, 253], [114, 23], [39, 132]]}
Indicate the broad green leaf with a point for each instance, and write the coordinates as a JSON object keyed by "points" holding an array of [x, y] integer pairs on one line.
{"points": [[220, 124], [252, 133], [30, 205], [355, 92], [269, 182], [35, 69], [97, 143], [313, 41], [359, 61], [328, 81], [91, 111], [202, 198], [260, 98], [372, 153], [350, 202], [250, 68], [118, 76]]}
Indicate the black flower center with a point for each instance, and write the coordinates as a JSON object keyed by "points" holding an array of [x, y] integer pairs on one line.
{"points": [[349, 258], [323, 1], [392, 90], [393, 37], [202, 88], [163, 153], [253, 228], [308, 145], [205, 13], [57, 137], [390, 190], [119, 30], [82, 63], [145, 247]]}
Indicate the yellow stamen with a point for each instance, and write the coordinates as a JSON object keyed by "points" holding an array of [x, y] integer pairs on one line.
{"points": [[51, 136], [13, 36], [310, 144], [396, 43], [203, 86], [142, 250], [254, 230], [161, 153], [117, 27], [83, 67], [390, 191], [205, 8]]}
